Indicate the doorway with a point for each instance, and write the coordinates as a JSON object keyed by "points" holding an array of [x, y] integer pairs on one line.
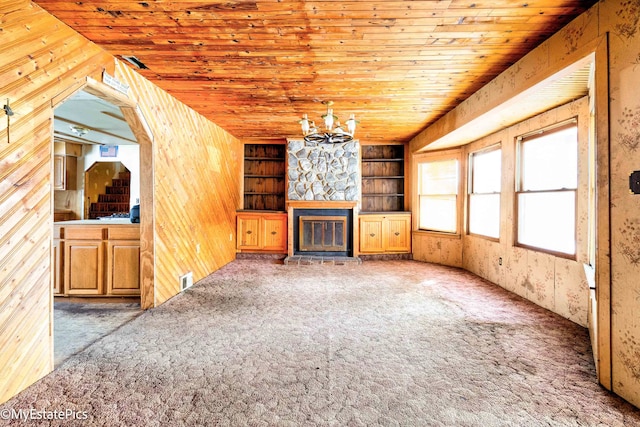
{"points": [[93, 137]]}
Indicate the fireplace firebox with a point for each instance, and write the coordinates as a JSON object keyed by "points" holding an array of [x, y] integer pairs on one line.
{"points": [[323, 232]]}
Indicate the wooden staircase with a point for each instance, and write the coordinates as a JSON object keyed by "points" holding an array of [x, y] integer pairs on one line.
{"points": [[116, 200]]}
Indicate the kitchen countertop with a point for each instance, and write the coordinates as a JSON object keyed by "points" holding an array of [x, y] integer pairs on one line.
{"points": [[105, 222]]}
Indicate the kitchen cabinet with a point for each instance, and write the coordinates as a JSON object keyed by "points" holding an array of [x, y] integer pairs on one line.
{"points": [[83, 267], [262, 232], [58, 276], [123, 267], [65, 170], [95, 258], [385, 233]]}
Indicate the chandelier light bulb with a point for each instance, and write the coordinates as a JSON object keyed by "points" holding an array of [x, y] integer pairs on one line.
{"points": [[351, 124], [328, 119], [305, 124], [330, 135]]}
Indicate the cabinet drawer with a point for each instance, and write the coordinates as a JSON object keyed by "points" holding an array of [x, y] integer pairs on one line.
{"points": [[124, 233], [85, 233]]}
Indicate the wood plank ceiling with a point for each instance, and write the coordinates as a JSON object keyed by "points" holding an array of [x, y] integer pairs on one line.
{"points": [[254, 67]]}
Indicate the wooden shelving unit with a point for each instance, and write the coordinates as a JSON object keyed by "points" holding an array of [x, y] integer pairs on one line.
{"points": [[383, 178], [264, 177]]}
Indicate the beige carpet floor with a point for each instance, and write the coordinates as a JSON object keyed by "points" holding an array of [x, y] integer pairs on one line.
{"points": [[388, 343], [77, 325]]}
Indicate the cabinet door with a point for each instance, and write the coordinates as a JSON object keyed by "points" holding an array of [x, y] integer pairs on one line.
{"points": [[371, 234], [248, 232], [123, 267], [64, 172], [83, 267], [398, 237], [58, 276], [70, 173], [58, 172], [275, 233]]}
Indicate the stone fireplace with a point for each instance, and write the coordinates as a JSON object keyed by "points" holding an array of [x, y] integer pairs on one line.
{"points": [[322, 198], [329, 172]]}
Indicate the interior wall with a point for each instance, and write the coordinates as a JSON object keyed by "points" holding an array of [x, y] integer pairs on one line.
{"points": [[622, 19], [553, 282], [97, 178], [196, 175], [618, 256], [128, 155], [196, 182], [40, 58]]}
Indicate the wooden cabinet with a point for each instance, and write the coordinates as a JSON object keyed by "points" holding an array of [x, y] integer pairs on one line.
{"points": [[385, 233], [262, 232], [65, 170], [58, 273], [83, 267], [123, 267], [264, 177], [383, 178], [96, 259], [275, 232], [248, 231]]}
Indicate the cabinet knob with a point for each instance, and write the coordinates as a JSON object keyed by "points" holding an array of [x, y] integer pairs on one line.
{"points": [[274, 233], [397, 233], [372, 234], [249, 232]]}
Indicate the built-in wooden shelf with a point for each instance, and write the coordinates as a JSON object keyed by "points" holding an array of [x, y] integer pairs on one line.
{"points": [[264, 177], [383, 178]]}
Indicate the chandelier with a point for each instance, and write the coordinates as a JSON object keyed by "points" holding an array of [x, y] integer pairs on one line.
{"points": [[330, 134]]}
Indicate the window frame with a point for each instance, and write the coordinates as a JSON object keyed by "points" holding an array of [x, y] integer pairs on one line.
{"points": [[519, 140], [429, 157], [470, 192]]}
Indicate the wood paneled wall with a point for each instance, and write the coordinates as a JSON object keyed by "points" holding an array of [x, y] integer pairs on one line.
{"points": [[40, 57], [196, 167], [609, 30], [196, 179]]}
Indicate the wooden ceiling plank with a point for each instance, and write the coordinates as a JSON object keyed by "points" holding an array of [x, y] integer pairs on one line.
{"points": [[402, 64]]}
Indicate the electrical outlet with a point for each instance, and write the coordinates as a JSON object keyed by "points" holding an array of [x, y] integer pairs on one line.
{"points": [[500, 261], [230, 237]]}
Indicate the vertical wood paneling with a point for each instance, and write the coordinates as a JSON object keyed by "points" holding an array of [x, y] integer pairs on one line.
{"points": [[195, 174]]}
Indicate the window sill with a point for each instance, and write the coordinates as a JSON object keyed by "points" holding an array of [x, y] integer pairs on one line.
{"points": [[439, 234]]}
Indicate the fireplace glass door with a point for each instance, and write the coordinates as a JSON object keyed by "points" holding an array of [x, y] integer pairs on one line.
{"points": [[323, 233]]}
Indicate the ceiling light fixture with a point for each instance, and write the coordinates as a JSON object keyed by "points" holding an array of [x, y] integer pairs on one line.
{"points": [[80, 131], [330, 134]]}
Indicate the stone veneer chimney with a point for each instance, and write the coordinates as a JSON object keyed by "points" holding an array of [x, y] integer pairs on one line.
{"points": [[329, 172]]}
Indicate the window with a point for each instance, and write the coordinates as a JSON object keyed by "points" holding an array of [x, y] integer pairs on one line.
{"points": [[438, 195], [484, 192], [547, 186]]}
